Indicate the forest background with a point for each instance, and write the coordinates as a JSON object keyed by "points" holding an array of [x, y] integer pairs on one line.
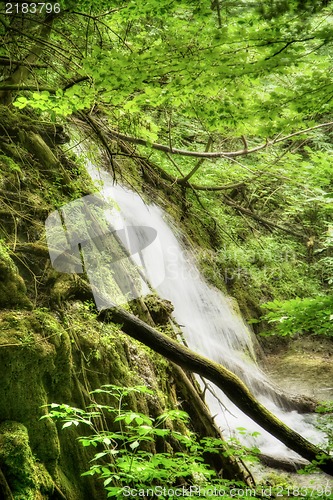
{"points": [[226, 109]]}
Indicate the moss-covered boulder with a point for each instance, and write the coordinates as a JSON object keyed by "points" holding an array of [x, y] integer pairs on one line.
{"points": [[59, 358], [27, 478], [12, 287]]}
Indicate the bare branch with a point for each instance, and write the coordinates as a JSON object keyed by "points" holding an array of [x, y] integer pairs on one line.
{"points": [[224, 187], [22, 71], [100, 134], [5, 490], [216, 4], [197, 166], [31, 88], [287, 44], [217, 154], [196, 187], [73, 82], [36, 88], [261, 219], [176, 167], [6, 61]]}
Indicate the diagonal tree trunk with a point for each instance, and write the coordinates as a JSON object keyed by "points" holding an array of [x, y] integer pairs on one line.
{"points": [[227, 381]]}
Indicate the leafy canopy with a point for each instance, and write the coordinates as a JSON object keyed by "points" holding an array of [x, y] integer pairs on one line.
{"points": [[224, 65]]}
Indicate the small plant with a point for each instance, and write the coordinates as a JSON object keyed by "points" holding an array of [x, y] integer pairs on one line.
{"points": [[10, 164], [296, 316], [126, 457], [325, 421]]}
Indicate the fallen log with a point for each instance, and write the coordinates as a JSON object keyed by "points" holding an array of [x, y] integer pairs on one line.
{"points": [[227, 381]]}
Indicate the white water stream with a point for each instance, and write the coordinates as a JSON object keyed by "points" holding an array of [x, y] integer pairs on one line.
{"points": [[208, 321]]}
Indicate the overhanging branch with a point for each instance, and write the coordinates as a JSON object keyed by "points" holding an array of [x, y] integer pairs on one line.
{"points": [[22, 87], [261, 219], [187, 177], [224, 187], [6, 61], [37, 88], [22, 71], [217, 154]]}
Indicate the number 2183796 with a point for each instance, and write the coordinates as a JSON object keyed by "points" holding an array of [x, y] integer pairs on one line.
{"points": [[32, 8]]}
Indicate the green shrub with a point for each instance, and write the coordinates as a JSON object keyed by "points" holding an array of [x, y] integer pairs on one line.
{"points": [[299, 316], [126, 457]]}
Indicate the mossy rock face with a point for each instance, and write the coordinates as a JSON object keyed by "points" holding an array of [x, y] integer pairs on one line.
{"points": [[160, 310], [27, 478], [58, 357], [43, 361], [68, 287], [29, 353], [15, 122], [12, 287], [36, 369]]}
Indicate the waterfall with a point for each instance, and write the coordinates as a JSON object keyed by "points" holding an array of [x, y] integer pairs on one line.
{"points": [[208, 322]]}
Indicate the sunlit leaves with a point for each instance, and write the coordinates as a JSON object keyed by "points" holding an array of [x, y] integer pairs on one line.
{"points": [[301, 316], [131, 455], [228, 75], [61, 103]]}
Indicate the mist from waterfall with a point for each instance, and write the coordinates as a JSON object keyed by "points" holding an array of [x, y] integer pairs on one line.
{"points": [[206, 317]]}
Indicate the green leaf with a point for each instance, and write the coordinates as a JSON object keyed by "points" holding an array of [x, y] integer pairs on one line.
{"points": [[68, 424], [134, 445], [100, 455]]}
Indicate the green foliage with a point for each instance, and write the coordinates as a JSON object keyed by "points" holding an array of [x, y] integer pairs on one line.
{"points": [[126, 457], [180, 73], [144, 456], [224, 69], [325, 260], [26, 475], [60, 104], [9, 163], [298, 316], [325, 421], [269, 268]]}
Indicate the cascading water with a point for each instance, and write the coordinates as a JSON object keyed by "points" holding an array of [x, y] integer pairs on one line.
{"points": [[207, 319]]}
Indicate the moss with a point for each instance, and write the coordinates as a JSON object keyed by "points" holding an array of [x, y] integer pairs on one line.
{"points": [[160, 310], [12, 287], [27, 368], [7, 163], [27, 479], [247, 301]]}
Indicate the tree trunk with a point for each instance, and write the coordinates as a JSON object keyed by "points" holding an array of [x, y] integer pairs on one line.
{"points": [[5, 492], [227, 381], [197, 409], [22, 71]]}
